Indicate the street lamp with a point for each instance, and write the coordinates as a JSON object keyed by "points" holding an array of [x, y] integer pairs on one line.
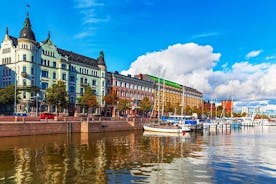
{"points": [[15, 85], [36, 101]]}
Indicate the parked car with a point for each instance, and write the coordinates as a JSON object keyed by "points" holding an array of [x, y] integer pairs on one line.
{"points": [[20, 114], [47, 115]]}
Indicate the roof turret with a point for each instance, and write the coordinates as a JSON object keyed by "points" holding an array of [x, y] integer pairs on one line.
{"points": [[26, 31]]}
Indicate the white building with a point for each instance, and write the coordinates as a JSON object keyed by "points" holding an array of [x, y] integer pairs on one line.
{"points": [[34, 66]]}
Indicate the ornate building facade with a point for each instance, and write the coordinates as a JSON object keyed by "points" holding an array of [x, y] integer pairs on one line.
{"points": [[130, 88], [34, 66]]}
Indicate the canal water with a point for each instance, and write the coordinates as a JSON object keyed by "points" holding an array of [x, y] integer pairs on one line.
{"points": [[247, 155]]}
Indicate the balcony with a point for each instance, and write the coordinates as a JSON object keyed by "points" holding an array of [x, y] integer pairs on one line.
{"points": [[84, 84], [24, 74], [27, 88]]}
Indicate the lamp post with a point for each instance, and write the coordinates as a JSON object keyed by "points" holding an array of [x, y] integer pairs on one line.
{"points": [[15, 84], [36, 101]]}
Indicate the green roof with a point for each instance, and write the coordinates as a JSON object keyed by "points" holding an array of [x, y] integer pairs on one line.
{"points": [[168, 83]]}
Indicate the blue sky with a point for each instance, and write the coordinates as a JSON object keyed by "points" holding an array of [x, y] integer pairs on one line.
{"points": [[240, 34]]}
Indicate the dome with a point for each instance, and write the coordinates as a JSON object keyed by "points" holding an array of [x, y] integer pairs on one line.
{"points": [[26, 31]]}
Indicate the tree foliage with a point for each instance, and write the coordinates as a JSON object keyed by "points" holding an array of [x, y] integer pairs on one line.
{"points": [[57, 95], [7, 95], [88, 100], [123, 105], [145, 105], [111, 99]]}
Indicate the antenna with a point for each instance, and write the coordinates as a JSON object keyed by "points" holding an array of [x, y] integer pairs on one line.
{"points": [[28, 9]]}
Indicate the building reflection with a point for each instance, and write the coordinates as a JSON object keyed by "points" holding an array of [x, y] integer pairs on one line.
{"points": [[86, 159]]}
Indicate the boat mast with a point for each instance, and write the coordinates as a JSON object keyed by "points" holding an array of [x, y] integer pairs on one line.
{"points": [[163, 95], [182, 103], [158, 98]]}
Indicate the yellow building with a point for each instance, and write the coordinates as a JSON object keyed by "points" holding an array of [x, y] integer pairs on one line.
{"points": [[170, 97]]}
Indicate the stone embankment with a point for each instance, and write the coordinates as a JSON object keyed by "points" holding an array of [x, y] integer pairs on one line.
{"points": [[19, 126]]}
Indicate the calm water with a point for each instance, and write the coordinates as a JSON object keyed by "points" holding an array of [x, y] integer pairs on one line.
{"points": [[244, 156]]}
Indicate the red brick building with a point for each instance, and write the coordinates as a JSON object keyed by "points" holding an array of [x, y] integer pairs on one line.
{"points": [[227, 105]]}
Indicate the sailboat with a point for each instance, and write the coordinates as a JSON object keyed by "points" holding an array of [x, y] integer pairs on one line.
{"points": [[166, 126]]}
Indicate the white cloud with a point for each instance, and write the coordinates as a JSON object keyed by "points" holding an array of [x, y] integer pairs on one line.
{"points": [[253, 53], [193, 65], [270, 57], [86, 3], [204, 35], [90, 16]]}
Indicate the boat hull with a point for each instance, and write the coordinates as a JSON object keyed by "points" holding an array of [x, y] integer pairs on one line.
{"points": [[166, 130]]}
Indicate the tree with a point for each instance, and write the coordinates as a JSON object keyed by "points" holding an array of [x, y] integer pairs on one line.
{"points": [[145, 105], [7, 95], [88, 100], [57, 95], [123, 105], [7, 99], [111, 99]]}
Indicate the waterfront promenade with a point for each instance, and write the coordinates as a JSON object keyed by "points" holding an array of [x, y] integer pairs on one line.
{"points": [[19, 126]]}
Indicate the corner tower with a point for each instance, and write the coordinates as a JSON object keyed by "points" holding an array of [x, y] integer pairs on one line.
{"points": [[28, 60], [27, 32]]}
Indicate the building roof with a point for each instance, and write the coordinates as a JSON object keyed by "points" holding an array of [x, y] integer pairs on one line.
{"points": [[168, 83], [14, 40], [101, 59], [26, 31], [78, 58]]}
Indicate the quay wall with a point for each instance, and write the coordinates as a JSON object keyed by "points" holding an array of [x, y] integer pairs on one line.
{"points": [[23, 128]]}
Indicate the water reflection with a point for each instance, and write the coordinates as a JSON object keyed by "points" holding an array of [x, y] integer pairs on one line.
{"points": [[131, 157]]}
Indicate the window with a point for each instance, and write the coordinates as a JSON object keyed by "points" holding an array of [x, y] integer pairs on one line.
{"points": [[85, 81], [44, 85], [24, 69], [94, 83], [44, 74], [63, 76], [24, 94], [72, 89], [81, 80], [54, 75], [64, 66], [72, 79], [32, 58], [81, 91], [24, 82], [24, 57], [72, 99], [32, 71], [54, 64]]}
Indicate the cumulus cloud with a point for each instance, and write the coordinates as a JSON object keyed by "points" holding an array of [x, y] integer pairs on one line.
{"points": [[189, 64], [193, 65], [253, 53]]}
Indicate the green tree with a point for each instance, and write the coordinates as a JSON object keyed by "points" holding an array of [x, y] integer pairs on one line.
{"points": [[145, 105], [111, 99], [7, 95], [57, 95], [88, 100], [7, 99], [123, 105]]}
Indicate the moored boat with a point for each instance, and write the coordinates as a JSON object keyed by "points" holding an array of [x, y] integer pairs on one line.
{"points": [[166, 128]]}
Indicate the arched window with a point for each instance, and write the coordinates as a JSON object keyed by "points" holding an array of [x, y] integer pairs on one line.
{"points": [[24, 57]]}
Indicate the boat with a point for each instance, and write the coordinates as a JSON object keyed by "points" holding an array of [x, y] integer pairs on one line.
{"points": [[166, 128]]}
